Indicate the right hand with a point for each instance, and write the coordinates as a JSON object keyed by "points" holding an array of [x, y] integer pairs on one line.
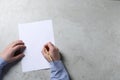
{"points": [[52, 50]]}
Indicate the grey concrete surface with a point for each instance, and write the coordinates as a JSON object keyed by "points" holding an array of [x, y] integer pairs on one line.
{"points": [[86, 31]]}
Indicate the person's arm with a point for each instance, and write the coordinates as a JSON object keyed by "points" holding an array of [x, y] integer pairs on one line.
{"points": [[2, 64], [9, 54], [58, 71]]}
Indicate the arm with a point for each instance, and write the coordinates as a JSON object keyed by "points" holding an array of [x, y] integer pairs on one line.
{"points": [[58, 71], [9, 54], [2, 64]]}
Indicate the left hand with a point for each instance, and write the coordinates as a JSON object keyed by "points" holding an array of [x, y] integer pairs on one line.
{"points": [[14, 51]]}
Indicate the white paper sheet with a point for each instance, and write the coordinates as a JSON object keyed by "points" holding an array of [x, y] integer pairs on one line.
{"points": [[35, 35]]}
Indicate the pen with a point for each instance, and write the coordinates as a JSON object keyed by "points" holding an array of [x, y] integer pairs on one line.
{"points": [[48, 54]]}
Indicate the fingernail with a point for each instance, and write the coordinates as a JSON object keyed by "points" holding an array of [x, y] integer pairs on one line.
{"points": [[23, 54]]}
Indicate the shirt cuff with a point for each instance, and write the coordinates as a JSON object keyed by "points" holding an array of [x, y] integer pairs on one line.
{"points": [[2, 63], [56, 64]]}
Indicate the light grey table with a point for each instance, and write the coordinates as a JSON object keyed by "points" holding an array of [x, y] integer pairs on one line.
{"points": [[86, 31]]}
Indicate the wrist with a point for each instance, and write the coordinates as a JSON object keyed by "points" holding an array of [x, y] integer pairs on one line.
{"points": [[55, 62], [2, 56], [56, 65], [2, 62]]}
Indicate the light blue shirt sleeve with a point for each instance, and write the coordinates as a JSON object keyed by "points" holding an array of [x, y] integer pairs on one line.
{"points": [[58, 71], [2, 64]]}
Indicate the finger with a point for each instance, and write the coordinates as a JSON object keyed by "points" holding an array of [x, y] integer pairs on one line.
{"points": [[18, 57], [18, 47], [50, 45], [18, 42], [14, 43], [46, 46], [43, 51], [46, 56]]}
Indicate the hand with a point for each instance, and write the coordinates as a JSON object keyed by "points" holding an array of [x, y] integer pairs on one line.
{"points": [[53, 52], [14, 51]]}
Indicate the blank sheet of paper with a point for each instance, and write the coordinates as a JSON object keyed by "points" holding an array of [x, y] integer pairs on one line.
{"points": [[35, 35]]}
